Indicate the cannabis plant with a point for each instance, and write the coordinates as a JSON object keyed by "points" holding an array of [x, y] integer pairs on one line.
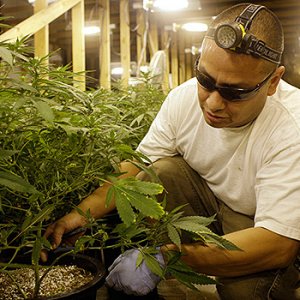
{"points": [[58, 144]]}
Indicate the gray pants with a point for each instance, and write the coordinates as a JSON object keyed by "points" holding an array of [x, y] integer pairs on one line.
{"points": [[184, 185]]}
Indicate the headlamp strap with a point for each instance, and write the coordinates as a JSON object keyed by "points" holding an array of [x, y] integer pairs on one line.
{"points": [[249, 43], [248, 14], [255, 47]]}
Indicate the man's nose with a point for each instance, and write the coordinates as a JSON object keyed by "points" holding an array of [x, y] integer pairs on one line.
{"points": [[215, 101]]}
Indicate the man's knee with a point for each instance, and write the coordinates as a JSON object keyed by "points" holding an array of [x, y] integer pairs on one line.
{"points": [[272, 284], [166, 169]]}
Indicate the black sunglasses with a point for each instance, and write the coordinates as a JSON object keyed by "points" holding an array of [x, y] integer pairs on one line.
{"points": [[228, 93]]}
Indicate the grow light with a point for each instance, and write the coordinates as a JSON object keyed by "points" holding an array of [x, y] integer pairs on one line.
{"points": [[195, 27], [91, 30], [32, 1], [165, 4]]}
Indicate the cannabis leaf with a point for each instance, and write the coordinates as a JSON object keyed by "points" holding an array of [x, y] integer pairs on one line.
{"points": [[133, 195], [16, 183]]}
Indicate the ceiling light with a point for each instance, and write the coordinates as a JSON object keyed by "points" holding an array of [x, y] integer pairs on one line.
{"points": [[117, 71], [195, 27], [91, 30], [168, 5], [32, 1]]}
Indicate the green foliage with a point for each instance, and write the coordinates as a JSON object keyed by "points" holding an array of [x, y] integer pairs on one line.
{"points": [[58, 144]]}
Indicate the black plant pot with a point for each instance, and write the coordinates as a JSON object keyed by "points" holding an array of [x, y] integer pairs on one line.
{"points": [[89, 290], [88, 262]]}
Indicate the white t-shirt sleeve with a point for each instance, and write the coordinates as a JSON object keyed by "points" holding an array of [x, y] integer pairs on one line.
{"points": [[277, 187], [160, 140], [164, 136]]}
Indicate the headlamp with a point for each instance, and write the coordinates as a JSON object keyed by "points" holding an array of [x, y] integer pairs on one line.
{"points": [[234, 36], [229, 36]]}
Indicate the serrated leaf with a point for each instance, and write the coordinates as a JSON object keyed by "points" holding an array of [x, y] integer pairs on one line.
{"points": [[36, 251], [142, 187], [80, 243], [139, 259], [174, 235], [153, 265], [137, 120], [147, 206], [190, 278], [45, 110], [109, 196], [16, 183], [19, 84], [191, 226], [6, 55], [124, 208], [205, 221], [7, 153], [38, 218], [220, 241]]}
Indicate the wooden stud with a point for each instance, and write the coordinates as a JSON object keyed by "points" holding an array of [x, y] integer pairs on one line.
{"points": [[39, 20], [104, 49], [182, 75], [188, 57], [78, 44], [174, 60], [41, 37], [140, 43], [153, 36], [125, 40], [165, 42]]}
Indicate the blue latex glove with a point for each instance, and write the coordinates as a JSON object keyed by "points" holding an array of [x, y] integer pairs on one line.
{"points": [[126, 277]]}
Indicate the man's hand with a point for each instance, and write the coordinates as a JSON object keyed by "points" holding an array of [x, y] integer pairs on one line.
{"points": [[125, 276], [56, 231]]}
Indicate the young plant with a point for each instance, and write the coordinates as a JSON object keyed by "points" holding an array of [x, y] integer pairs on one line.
{"points": [[58, 144]]}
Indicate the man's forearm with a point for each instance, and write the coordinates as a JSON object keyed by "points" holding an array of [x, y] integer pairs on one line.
{"points": [[261, 250], [96, 201]]}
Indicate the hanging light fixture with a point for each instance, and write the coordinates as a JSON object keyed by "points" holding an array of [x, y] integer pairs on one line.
{"points": [[195, 27], [167, 5], [32, 1]]}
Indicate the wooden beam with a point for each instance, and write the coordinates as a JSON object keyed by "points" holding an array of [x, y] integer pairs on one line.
{"points": [[188, 57], [153, 36], [78, 47], [140, 42], [104, 54], [125, 40], [39, 20], [181, 46], [41, 37], [174, 60], [165, 42]]}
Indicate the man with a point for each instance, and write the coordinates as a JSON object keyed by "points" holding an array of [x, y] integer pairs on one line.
{"points": [[227, 143]]}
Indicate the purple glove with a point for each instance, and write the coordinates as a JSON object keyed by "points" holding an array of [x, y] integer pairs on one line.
{"points": [[125, 276]]}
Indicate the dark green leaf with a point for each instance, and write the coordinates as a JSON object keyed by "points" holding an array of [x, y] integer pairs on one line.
{"points": [[219, 241], [190, 278], [198, 220], [36, 251], [16, 183], [142, 187], [191, 226], [45, 110], [153, 265], [124, 208], [6, 55], [174, 235], [109, 197], [7, 153], [147, 206]]}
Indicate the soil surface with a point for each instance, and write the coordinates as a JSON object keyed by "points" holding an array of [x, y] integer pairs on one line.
{"points": [[59, 280]]}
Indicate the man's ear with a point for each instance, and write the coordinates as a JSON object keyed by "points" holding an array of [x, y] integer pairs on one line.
{"points": [[275, 80]]}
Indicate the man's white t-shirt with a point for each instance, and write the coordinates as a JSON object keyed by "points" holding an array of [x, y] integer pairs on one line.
{"points": [[254, 169]]}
